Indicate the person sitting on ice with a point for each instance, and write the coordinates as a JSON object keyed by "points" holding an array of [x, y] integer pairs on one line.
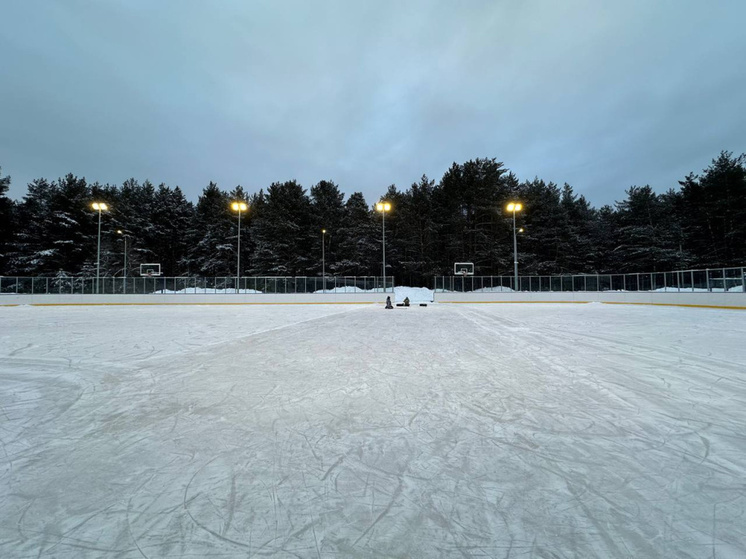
{"points": [[406, 301], [388, 303]]}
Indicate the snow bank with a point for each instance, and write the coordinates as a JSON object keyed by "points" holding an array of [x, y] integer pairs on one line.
{"points": [[206, 290], [349, 289], [496, 289], [734, 289], [415, 294]]}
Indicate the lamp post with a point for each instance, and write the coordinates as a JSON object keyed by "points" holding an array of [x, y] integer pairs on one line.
{"points": [[515, 207], [99, 207], [239, 207], [323, 260], [383, 207], [125, 236], [124, 274]]}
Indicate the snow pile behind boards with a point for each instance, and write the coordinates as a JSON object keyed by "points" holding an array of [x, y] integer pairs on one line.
{"points": [[415, 294]]}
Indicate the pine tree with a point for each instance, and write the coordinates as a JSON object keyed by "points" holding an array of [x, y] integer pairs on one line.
{"points": [[469, 204], [170, 219], [714, 212], [7, 222], [284, 232], [327, 210], [645, 232], [58, 229], [358, 243], [212, 239], [418, 231]]}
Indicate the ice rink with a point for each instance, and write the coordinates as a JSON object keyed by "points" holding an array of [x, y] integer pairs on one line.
{"points": [[504, 430]]}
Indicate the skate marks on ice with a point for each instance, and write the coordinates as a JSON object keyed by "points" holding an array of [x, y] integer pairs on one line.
{"points": [[443, 432]]}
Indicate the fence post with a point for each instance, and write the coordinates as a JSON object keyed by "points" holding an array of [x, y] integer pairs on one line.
{"points": [[707, 275]]}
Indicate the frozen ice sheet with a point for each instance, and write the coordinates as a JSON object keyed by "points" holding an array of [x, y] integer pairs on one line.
{"points": [[311, 431]]}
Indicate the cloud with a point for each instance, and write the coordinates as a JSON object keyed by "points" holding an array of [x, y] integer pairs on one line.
{"points": [[598, 94]]}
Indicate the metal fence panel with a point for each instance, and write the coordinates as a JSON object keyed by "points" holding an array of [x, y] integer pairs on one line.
{"points": [[143, 285], [730, 280]]}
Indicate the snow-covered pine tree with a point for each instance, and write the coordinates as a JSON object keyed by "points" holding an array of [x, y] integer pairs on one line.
{"points": [[327, 212], [358, 242], [7, 222], [284, 232], [212, 236]]}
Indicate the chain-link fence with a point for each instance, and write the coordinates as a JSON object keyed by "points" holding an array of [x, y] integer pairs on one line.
{"points": [[730, 280], [203, 285]]}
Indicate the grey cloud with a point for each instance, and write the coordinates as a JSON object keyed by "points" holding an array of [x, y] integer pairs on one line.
{"points": [[602, 95]]}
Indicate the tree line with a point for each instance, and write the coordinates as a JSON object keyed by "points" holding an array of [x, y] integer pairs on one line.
{"points": [[701, 223]]}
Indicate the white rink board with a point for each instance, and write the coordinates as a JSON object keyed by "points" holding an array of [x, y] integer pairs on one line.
{"points": [[539, 430]]}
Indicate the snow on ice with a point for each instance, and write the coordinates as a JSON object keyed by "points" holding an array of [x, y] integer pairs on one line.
{"points": [[312, 431]]}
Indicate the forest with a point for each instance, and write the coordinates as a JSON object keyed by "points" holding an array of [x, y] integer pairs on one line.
{"points": [[699, 224]]}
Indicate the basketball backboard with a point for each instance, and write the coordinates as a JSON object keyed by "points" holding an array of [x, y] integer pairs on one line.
{"points": [[151, 269], [463, 268]]}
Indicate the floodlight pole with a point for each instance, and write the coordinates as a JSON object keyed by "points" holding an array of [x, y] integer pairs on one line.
{"points": [[323, 260], [238, 253], [515, 252], [515, 207], [239, 207], [125, 236], [383, 228], [383, 207], [99, 207], [98, 253]]}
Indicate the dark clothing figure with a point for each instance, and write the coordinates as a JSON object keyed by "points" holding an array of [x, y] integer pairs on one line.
{"points": [[388, 303], [406, 301]]}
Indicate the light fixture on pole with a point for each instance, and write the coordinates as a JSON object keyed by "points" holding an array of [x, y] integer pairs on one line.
{"points": [[323, 260], [383, 207], [515, 207], [239, 207], [99, 207]]}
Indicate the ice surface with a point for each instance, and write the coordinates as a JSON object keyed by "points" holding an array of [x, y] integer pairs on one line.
{"points": [[453, 430]]}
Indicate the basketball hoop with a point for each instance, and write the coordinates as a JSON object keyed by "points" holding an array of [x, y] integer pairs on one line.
{"points": [[463, 268], [150, 270]]}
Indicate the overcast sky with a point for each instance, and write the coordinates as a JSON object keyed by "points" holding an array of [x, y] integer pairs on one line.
{"points": [[600, 94]]}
